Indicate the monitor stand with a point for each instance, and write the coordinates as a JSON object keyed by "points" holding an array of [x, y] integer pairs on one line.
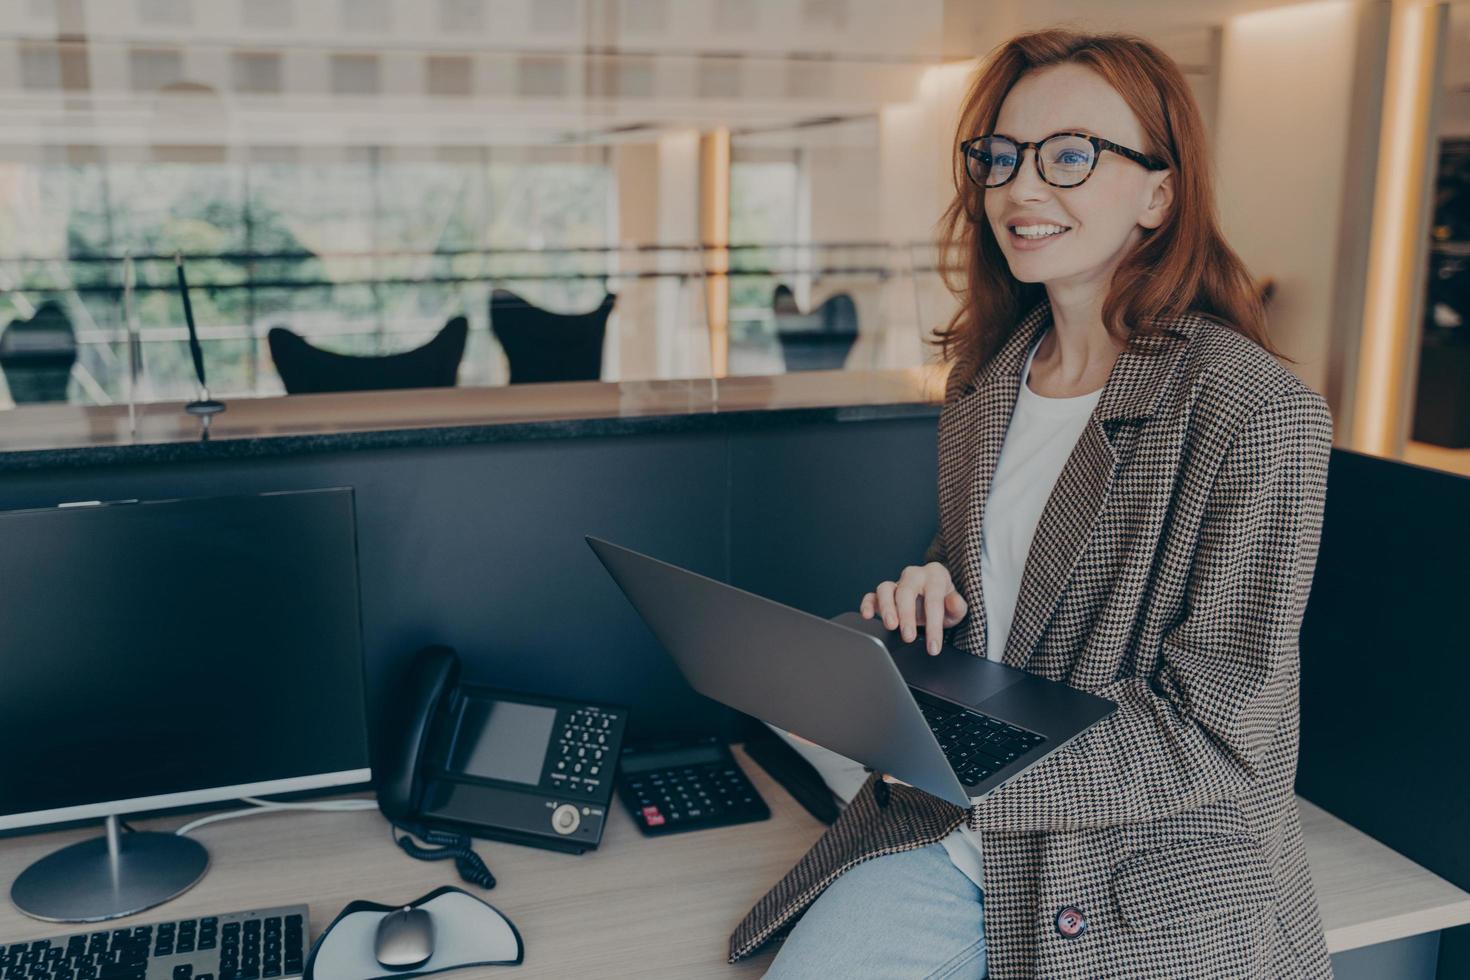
{"points": [[109, 877]]}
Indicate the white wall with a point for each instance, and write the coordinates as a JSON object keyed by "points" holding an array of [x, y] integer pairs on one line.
{"points": [[844, 190], [1284, 132], [658, 326], [916, 143]]}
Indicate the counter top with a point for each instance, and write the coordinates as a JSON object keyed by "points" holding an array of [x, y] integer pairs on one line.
{"points": [[660, 907], [48, 436]]}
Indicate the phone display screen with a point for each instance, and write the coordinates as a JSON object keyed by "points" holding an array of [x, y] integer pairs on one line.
{"points": [[503, 740]]}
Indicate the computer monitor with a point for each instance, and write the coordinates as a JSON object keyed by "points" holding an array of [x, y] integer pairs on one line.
{"points": [[170, 653]]}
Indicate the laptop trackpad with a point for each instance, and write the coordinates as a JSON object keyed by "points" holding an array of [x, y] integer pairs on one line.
{"points": [[954, 675]]}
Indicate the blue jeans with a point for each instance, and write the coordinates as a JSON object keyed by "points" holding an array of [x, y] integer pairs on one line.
{"points": [[906, 916]]}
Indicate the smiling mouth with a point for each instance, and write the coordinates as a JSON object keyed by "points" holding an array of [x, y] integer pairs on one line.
{"points": [[1036, 233]]}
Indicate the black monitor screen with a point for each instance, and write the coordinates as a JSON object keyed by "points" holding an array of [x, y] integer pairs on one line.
{"points": [[174, 647]]}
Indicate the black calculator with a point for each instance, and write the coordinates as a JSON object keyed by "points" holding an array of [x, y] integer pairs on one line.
{"points": [[671, 787]]}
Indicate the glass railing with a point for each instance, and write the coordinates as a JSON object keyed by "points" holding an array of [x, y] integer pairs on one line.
{"points": [[791, 307]]}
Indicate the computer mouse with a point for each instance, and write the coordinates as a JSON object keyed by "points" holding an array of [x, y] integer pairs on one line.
{"points": [[405, 938]]}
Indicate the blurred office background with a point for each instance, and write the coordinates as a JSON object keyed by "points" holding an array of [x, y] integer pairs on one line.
{"points": [[756, 182]]}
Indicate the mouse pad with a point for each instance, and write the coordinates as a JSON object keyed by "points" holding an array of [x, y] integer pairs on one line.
{"points": [[467, 932]]}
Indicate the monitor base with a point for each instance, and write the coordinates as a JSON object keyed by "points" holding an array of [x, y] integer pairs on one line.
{"points": [[109, 877]]}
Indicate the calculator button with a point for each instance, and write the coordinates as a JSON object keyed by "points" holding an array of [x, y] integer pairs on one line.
{"points": [[652, 816]]}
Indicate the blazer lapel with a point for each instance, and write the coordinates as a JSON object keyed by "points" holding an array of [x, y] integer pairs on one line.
{"points": [[1133, 392], [979, 418]]}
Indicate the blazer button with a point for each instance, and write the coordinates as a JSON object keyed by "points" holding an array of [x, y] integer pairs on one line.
{"points": [[1071, 923]]}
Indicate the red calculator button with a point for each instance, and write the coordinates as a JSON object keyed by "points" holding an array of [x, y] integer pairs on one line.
{"points": [[652, 816]]}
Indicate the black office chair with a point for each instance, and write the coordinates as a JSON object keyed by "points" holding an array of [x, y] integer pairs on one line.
{"points": [[37, 355], [306, 369], [546, 346], [819, 340]]}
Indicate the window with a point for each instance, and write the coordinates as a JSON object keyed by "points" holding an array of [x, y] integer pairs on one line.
{"points": [[542, 76], [154, 69], [40, 66], [366, 16], [257, 73], [355, 74], [450, 75], [165, 13], [367, 252], [461, 16], [268, 15]]}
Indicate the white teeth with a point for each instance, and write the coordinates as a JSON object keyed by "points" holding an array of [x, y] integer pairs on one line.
{"points": [[1038, 231]]}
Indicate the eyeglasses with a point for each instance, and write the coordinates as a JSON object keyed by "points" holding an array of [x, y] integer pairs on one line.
{"points": [[1062, 159]]}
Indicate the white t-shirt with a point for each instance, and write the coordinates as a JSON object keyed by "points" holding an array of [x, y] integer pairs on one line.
{"points": [[1040, 437]]}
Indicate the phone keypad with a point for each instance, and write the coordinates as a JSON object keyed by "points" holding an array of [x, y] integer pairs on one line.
{"points": [[582, 757]]}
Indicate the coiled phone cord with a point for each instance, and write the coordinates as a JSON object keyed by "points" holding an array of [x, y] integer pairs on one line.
{"points": [[449, 845]]}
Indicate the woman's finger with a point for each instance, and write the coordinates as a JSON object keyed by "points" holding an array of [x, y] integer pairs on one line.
{"points": [[906, 597], [886, 609], [868, 608], [955, 608], [933, 618], [911, 586]]}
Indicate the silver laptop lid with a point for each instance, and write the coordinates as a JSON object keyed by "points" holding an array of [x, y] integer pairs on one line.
{"points": [[833, 685]]}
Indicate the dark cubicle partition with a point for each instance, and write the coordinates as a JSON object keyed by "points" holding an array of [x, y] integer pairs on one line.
{"points": [[480, 546], [820, 516], [1386, 667]]}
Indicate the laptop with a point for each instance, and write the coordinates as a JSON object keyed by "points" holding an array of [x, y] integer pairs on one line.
{"points": [[954, 725]]}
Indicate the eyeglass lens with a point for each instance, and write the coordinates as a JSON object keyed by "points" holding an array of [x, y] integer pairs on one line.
{"points": [[1065, 160]]}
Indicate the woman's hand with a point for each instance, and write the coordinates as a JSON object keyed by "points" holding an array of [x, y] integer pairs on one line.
{"points": [[923, 594]]}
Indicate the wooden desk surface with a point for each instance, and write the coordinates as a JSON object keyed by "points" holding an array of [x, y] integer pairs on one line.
{"points": [[1369, 893], [651, 908]]}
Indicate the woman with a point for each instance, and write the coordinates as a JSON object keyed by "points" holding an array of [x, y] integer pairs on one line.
{"points": [[1130, 498]]}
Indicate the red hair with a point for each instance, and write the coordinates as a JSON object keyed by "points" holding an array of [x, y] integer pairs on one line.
{"points": [[1183, 265]]}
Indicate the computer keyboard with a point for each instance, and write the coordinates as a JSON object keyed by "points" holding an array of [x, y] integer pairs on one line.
{"points": [[976, 745], [238, 946]]}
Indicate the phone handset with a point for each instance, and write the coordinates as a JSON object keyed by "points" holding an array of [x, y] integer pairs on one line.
{"points": [[409, 711], [408, 720]]}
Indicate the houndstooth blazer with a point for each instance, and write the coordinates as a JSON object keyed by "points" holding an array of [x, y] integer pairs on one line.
{"points": [[1169, 573]]}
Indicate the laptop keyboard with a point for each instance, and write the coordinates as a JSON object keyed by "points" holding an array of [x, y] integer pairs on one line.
{"points": [[976, 745]]}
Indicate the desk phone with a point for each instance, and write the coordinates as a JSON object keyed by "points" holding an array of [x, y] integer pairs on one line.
{"points": [[499, 764]]}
